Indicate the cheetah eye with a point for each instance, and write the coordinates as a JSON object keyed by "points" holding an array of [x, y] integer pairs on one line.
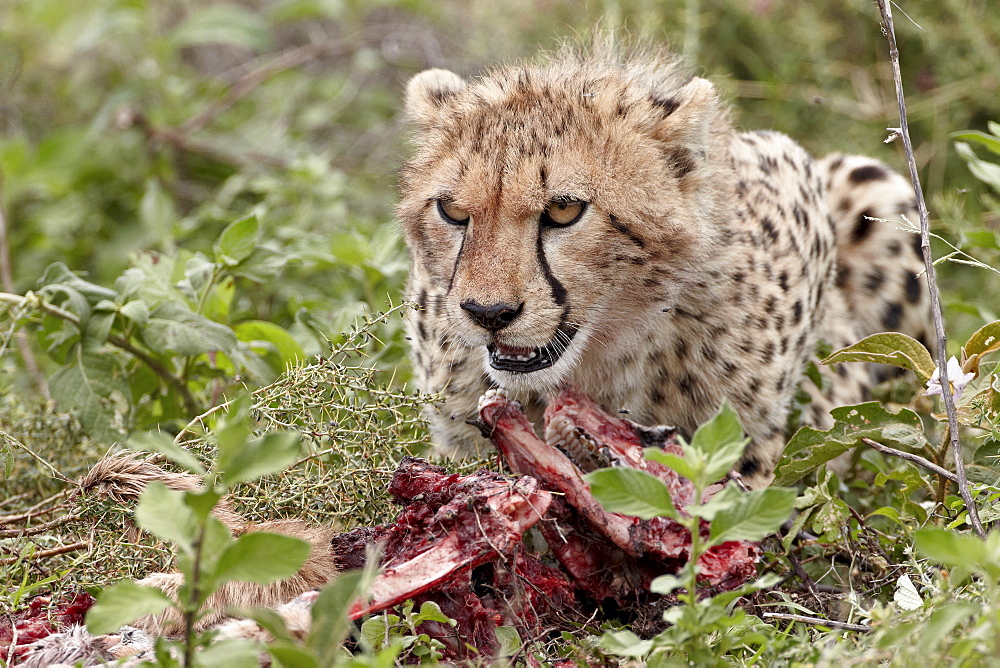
{"points": [[560, 213], [452, 213]]}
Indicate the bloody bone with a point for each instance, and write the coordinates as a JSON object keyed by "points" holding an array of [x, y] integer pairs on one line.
{"points": [[458, 543], [451, 523], [576, 424]]}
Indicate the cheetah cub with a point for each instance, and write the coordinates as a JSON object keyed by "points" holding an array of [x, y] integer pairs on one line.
{"points": [[596, 220]]}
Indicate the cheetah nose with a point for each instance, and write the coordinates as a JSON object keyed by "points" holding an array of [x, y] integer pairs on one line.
{"points": [[493, 317]]}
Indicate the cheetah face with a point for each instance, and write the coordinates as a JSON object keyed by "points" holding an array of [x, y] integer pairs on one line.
{"points": [[548, 221], [503, 295]]}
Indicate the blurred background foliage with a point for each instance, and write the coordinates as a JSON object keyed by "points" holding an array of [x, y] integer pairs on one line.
{"points": [[205, 190], [133, 133]]}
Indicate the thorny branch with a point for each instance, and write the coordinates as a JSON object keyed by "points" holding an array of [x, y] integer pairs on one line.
{"points": [[925, 246]]}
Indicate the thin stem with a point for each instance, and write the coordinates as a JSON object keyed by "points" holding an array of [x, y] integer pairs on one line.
{"points": [[37, 457], [932, 287], [191, 610]]}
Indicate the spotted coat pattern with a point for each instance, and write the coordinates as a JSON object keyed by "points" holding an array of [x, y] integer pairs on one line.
{"points": [[706, 264]]}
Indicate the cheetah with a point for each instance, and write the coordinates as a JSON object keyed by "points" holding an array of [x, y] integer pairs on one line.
{"points": [[595, 219]]}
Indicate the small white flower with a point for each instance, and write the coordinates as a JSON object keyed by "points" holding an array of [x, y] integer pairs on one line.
{"points": [[956, 379]]}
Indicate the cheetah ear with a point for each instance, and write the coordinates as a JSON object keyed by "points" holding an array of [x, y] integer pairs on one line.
{"points": [[428, 92], [687, 115]]}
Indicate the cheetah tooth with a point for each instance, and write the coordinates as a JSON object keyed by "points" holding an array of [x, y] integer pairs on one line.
{"points": [[496, 394]]}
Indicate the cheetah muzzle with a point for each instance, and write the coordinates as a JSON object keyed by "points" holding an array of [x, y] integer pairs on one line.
{"points": [[527, 360]]}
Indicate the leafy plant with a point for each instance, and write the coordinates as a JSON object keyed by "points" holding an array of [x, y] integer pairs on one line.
{"points": [[400, 633], [702, 628], [207, 554]]}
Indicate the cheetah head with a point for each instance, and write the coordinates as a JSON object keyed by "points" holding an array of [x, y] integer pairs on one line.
{"points": [[556, 210]]}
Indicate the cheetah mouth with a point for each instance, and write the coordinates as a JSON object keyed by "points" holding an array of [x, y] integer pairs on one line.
{"points": [[527, 360]]}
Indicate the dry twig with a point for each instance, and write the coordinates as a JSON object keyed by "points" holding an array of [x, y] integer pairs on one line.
{"points": [[925, 246], [916, 459], [840, 626], [62, 549]]}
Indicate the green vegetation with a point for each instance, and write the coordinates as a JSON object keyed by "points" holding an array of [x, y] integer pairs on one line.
{"points": [[196, 205]]}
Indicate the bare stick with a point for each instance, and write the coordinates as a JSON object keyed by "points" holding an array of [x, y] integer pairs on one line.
{"points": [[43, 507], [841, 626], [932, 287], [38, 528], [48, 553], [916, 459]]}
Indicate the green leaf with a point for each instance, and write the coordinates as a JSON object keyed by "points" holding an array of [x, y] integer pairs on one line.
{"points": [[665, 584], [431, 612], [286, 350], [677, 463], [58, 274], [262, 558], [137, 311], [631, 492], [987, 172], [237, 241], [719, 432], [226, 23], [753, 515], [268, 619], [229, 652], [721, 461], [157, 441], [290, 654], [93, 386], [625, 643], [889, 348], [274, 452], [162, 512], [122, 604], [726, 498], [156, 210], [950, 547], [991, 142], [173, 328], [809, 448], [215, 540], [509, 641], [378, 631], [330, 616], [232, 430], [943, 622]]}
